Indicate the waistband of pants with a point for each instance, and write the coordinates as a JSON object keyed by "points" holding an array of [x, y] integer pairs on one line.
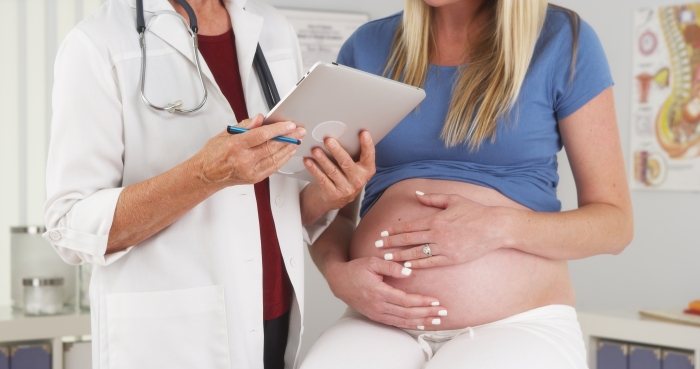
{"points": [[547, 312]]}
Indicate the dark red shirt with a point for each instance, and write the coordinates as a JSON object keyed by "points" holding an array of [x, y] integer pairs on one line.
{"points": [[220, 54]]}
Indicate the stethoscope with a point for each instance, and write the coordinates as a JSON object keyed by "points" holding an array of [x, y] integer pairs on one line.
{"points": [[259, 63]]}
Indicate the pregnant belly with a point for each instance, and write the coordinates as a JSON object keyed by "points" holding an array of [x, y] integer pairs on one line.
{"points": [[503, 283]]}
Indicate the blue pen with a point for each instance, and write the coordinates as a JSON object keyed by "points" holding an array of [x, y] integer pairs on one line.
{"points": [[236, 130]]}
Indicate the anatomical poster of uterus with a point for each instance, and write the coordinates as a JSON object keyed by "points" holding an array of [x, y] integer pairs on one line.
{"points": [[665, 137]]}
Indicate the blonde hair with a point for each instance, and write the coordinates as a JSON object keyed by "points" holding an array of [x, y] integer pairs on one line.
{"points": [[498, 62]]}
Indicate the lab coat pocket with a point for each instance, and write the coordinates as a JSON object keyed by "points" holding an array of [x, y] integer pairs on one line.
{"points": [[168, 329]]}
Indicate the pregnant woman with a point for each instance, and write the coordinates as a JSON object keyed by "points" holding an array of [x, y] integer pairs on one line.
{"points": [[460, 260]]}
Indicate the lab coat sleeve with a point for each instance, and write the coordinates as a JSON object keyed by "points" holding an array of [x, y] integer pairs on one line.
{"points": [[85, 161], [314, 230]]}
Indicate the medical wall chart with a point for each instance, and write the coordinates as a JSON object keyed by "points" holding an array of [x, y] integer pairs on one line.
{"points": [[322, 34], [665, 137]]}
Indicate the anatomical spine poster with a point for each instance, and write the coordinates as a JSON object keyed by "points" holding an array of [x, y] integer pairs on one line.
{"points": [[665, 137]]}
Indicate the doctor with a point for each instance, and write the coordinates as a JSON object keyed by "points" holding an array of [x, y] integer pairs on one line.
{"points": [[199, 256]]}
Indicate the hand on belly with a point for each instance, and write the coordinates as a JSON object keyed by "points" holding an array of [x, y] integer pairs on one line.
{"points": [[475, 279], [462, 231]]}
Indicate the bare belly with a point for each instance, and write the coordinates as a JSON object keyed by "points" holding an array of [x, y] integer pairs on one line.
{"points": [[501, 284]]}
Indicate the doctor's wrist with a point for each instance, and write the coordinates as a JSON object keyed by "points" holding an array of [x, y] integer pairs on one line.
{"points": [[195, 174], [313, 206]]}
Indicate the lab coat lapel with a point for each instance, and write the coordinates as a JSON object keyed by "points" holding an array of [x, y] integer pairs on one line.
{"points": [[247, 27]]}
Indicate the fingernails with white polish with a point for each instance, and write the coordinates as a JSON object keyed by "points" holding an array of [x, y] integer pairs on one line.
{"points": [[419, 193], [379, 243], [421, 328], [435, 303], [385, 234], [406, 271], [436, 321], [389, 256], [442, 313], [407, 264]]}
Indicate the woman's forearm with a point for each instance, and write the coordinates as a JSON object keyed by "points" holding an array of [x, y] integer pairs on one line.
{"points": [[333, 245], [593, 229], [145, 208]]}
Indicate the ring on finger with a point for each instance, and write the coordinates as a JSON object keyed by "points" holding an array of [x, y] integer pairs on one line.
{"points": [[426, 250]]}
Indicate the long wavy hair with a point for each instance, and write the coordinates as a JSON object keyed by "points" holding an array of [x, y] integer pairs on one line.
{"points": [[497, 63]]}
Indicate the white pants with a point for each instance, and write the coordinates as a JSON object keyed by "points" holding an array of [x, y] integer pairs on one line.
{"points": [[544, 338]]}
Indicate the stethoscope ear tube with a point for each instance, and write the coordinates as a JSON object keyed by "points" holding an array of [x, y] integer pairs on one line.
{"points": [[190, 14], [267, 83], [140, 21]]}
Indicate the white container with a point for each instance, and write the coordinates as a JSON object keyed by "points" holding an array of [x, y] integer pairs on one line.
{"points": [[43, 296], [33, 256]]}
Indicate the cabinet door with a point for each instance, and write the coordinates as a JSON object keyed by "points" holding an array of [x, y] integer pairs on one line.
{"points": [[77, 355], [4, 357], [678, 360], [644, 357], [612, 355], [37, 356]]}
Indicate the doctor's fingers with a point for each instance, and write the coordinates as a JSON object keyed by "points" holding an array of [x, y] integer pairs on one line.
{"points": [[367, 156], [357, 173], [260, 135], [269, 148], [251, 123], [331, 170], [270, 164]]}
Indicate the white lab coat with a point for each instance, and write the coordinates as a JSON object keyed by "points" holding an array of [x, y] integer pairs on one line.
{"points": [[191, 295]]}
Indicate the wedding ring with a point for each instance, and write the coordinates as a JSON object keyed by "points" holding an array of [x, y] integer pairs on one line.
{"points": [[426, 250]]}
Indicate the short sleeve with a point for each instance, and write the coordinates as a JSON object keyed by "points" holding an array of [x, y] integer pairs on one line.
{"points": [[591, 74], [346, 56]]}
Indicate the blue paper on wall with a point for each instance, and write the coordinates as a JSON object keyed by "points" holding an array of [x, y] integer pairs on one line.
{"points": [[36, 356], [612, 355], [643, 357]]}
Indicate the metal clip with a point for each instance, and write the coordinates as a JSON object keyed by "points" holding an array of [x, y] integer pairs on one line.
{"points": [[173, 107]]}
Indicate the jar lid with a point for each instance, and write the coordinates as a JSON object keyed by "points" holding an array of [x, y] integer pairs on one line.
{"points": [[37, 282], [29, 230]]}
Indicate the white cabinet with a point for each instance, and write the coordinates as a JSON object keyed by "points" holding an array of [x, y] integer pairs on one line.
{"points": [[629, 327], [17, 328]]}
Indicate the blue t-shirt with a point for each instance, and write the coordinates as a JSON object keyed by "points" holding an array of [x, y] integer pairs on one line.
{"points": [[521, 163]]}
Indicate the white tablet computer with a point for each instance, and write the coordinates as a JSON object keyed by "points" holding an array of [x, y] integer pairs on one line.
{"points": [[340, 102]]}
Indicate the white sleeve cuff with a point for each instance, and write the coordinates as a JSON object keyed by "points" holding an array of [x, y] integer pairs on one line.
{"points": [[81, 235], [314, 230]]}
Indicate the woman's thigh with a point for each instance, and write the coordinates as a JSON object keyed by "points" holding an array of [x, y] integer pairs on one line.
{"points": [[355, 342], [519, 345]]}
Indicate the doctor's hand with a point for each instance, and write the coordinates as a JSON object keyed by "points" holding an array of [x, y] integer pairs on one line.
{"points": [[247, 158], [339, 184], [360, 284]]}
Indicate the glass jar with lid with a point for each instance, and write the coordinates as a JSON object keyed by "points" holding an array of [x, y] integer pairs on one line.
{"points": [[43, 296]]}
